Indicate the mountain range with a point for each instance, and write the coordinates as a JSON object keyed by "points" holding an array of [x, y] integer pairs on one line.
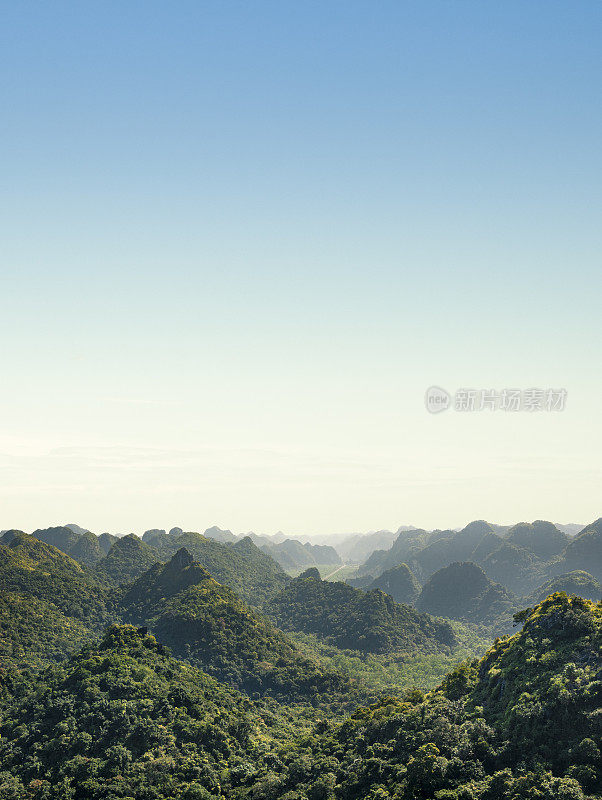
{"points": [[180, 666]]}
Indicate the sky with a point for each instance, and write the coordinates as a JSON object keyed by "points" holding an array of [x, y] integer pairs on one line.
{"points": [[239, 240]]}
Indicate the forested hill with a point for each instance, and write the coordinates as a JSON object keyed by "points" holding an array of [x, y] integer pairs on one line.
{"points": [[82, 546], [127, 559], [356, 620], [208, 624], [399, 582], [520, 558], [463, 591], [242, 566], [133, 717], [584, 552], [524, 723], [577, 582], [32, 568], [124, 720], [49, 605], [117, 561]]}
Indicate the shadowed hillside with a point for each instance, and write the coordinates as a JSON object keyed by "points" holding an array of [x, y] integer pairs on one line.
{"points": [[356, 620], [577, 583], [399, 582], [463, 591], [127, 559], [208, 624], [584, 552], [541, 538], [81, 545]]}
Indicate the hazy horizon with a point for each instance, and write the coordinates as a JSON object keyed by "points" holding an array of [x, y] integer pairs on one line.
{"points": [[326, 535]]}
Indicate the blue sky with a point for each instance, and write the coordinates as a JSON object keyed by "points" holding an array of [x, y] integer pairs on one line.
{"points": [[239, 240]]}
